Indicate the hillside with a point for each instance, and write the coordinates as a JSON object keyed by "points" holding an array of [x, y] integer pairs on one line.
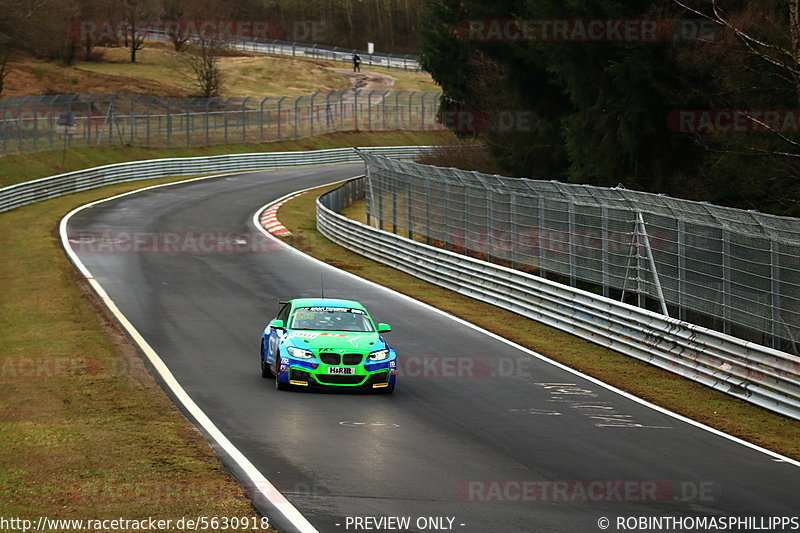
{"points": [[161, 71]]}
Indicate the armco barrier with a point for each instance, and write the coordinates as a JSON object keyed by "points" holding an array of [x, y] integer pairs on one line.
{"points": [[53, 186], [760, 375]]}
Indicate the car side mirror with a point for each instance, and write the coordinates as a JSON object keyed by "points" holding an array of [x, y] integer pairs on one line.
{"points": [[383, 328], [277, 324]]}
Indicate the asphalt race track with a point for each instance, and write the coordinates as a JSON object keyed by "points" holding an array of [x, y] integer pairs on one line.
{"points": [[477, 431]]}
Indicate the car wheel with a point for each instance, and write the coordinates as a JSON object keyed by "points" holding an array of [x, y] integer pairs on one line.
{"points": [[266, 371]]}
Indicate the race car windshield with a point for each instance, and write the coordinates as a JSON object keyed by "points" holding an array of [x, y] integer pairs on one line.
{"points": [[331, 319]]}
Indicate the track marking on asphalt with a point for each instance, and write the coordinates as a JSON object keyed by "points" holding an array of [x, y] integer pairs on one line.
{"points": [[348, 423], [255, 479], [602, 414], [269, 217], [534, 411], [532, 353]]}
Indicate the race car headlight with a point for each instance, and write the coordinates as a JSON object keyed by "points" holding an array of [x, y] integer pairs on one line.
{"points": [[300, 353], [379, 355]]}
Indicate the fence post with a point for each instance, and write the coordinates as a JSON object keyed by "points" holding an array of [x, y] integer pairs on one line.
{"points": [[225, 119], [654, 272], [206, 121], [296, 113], [397, 109], [261, 119], [280, 102], [605, 237], [147, 120], [512, 200], [410, 209], [169, 123], [134, 100], [369, 110], [49, 123], [244, 119], [541, 240], [188, 124], [424, 124], [410, 103], [726, 280], [328, 110], [681, 269], [20, 124], [775, 271], [35, 129], [355, 108], [311, 114], [5, 128]]}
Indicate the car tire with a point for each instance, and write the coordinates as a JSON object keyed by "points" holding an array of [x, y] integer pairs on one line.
{"points": [[266, 371]]}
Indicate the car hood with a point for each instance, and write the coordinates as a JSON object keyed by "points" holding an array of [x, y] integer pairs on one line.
{"points": [[335, 341]]}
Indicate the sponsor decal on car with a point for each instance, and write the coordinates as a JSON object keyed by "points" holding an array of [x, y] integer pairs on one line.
{"points": [[304, 334], [335, 310]]}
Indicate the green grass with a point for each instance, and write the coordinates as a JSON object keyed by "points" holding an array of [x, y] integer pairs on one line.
{"points": [[245, 75], [85, 432], [671, 391], [16, 168]]}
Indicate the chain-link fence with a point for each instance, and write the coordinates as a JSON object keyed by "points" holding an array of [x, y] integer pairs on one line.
{"points": [[732, 270], [52, 122]]}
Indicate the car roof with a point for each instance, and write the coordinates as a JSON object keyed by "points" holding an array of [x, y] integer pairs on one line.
{"points": [[326, 302]]}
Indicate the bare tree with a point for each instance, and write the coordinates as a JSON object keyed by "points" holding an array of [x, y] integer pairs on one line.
{"points": [[174, 12], [773, 48], [136, 14], [97, 10], [4, 54], [202, 59]]}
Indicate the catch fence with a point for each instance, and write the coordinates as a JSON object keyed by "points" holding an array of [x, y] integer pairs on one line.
{"points": [[52, 122], [732, 270]]}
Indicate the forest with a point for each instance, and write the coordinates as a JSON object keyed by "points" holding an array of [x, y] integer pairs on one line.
{"points": [[692, 98], [42, 27]]}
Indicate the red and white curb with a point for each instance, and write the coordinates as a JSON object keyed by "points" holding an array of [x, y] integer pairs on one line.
{"points": [[269, 218]]}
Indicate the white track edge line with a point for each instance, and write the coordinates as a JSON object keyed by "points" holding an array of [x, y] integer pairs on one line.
{"points": [[641, 401], [260, 482]]}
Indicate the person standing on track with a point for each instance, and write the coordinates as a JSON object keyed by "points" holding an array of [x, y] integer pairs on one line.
{"points": [[356, 62]]}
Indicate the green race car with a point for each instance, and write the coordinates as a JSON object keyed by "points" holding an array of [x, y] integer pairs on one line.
{"points": [[316, 342]]}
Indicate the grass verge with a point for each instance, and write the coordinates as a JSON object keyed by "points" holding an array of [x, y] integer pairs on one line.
{"points": [[16, 168], [85, 431], [160, 71], [668, 390]]}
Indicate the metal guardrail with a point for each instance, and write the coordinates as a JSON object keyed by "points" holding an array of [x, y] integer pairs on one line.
{"points": [[727, 269], [408, 62], [54, 186], [760, 375]]}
